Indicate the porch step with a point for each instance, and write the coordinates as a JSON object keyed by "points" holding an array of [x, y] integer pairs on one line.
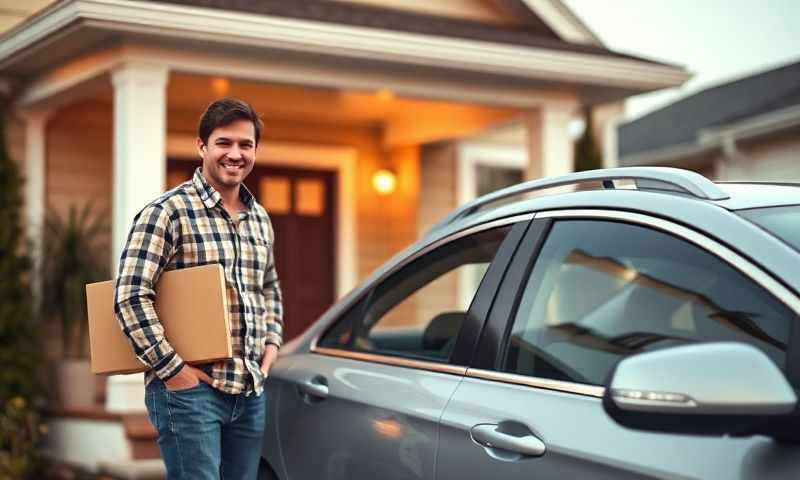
{"points": [[134, 469], [92, 436], [142, 436]]}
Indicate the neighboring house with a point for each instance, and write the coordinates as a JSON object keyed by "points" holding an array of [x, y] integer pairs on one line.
{"points": [[746, 129], [454, 97]]}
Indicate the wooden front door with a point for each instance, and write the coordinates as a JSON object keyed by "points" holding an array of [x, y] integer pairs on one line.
{"points": [[302, 207]]}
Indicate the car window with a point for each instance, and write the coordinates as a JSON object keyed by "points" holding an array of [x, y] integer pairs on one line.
{"points": [[418, 311], [603, 290]]}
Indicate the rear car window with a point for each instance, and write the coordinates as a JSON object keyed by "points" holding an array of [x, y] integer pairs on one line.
{"points": [[783, 222]]}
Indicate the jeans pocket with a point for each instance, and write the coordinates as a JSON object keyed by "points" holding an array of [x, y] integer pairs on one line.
{"points": [[199, 386], [150, 403]]}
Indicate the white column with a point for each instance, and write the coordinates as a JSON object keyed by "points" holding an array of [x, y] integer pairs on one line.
{"points": [[35, 179], [139, 170], [605, 120], [550, 149]]}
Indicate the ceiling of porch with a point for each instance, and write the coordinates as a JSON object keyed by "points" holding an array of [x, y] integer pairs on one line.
{"points": [[403, 120]]}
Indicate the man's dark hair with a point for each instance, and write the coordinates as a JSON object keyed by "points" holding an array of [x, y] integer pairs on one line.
{"points": [[224, 112]]}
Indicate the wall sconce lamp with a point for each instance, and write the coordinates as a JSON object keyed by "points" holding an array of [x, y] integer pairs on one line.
{"points": [[384, 182], [220, 86]]}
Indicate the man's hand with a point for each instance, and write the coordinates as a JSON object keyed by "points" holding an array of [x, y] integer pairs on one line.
{"points": [[270, 356], [186, 378]]}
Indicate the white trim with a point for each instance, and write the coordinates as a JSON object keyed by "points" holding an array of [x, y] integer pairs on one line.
{"points": [[342, 160], [537, 382], [35, 182], [70, 76], [163, 20], [563, 21], [471, 154], [58, 84], [384, 359]]}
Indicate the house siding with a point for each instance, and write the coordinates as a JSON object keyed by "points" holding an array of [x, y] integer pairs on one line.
{"points": [[775, 160]]}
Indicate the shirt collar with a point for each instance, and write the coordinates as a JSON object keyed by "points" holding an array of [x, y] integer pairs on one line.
{"points": [[211, 197]]}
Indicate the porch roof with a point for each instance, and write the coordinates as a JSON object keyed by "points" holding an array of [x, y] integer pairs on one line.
{"points": [[366, 38]]}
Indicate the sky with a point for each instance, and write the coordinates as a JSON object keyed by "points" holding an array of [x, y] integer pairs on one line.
{"points": [[716, 40]]}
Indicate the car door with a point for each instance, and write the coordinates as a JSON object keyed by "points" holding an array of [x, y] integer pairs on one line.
{"points": [[585, 290], [366, 400]]}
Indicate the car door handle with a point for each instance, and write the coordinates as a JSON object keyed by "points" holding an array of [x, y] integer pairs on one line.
{"points": [[490, 436], [316, 387]]}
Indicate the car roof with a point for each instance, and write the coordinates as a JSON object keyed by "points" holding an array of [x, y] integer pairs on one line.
{"points": [[744, 195], [670, 182]]}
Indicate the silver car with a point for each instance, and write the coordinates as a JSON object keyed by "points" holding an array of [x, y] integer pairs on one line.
{"points": [[647, 328]]}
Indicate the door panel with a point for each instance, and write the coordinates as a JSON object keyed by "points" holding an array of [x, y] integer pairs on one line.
{"points": [[549, 332], [581, 441], [374, 421], [366, 404]]}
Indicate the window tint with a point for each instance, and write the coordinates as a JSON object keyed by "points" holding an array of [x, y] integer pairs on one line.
{"points": [[601, 291], [418, 311]]}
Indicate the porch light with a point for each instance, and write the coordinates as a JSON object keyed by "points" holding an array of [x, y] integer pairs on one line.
{"points": [[384, 182], [220, 86], [384, 95]]}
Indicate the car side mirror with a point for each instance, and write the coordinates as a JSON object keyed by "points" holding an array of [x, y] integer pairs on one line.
{"points": [[708, 389]]}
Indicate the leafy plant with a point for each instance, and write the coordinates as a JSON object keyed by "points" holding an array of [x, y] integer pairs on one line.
{"points": [[20, 360], [74, 254], [19, 438]]}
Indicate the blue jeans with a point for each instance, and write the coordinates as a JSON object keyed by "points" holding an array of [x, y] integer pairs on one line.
{"points": [[207, 434]]}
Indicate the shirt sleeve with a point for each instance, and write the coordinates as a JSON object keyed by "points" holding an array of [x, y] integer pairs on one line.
{"points": [[148, 250], [273, 296]]}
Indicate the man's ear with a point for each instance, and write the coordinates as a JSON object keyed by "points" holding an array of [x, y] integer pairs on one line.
{"points": [[201, 146]]}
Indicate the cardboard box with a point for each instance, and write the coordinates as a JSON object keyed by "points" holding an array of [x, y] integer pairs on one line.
{"points": [[192, 306]]}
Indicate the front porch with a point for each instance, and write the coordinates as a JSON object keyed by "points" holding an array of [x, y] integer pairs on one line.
{"points": [[121, 137]]}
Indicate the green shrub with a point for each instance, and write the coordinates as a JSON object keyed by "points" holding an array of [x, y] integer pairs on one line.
{"points": [[19, 439], [587, 155], [20, 358]]}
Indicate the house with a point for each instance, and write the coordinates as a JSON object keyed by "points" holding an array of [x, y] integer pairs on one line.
{"points": [[746, 129], [447, 99]]}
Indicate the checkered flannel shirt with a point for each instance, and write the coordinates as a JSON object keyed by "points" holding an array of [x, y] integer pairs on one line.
{"points": [[188, 227]]}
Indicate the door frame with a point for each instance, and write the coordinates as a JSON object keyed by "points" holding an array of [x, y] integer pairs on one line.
{"points": [[341, 160]]}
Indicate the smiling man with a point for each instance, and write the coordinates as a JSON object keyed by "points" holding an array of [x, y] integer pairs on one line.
{"points": [[210, 418]]}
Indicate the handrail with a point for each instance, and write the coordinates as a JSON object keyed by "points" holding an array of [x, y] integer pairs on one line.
{"points": [[687, 181]]}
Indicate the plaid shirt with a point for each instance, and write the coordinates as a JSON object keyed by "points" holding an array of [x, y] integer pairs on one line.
{"points": [[188, 227]]}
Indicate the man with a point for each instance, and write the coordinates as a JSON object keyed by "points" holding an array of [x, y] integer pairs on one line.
{"points": [[210, 418]]}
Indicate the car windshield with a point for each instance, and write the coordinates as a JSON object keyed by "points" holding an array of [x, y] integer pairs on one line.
{"points": [[783, 222]]}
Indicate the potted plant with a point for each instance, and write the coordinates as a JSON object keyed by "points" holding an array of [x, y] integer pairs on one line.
{"points": [[75, 253]]}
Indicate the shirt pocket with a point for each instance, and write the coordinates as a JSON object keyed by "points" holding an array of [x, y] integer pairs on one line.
{"points": [[256, 260]]}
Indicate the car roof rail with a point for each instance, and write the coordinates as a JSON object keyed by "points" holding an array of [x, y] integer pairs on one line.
{"points": [[663, 178]]}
